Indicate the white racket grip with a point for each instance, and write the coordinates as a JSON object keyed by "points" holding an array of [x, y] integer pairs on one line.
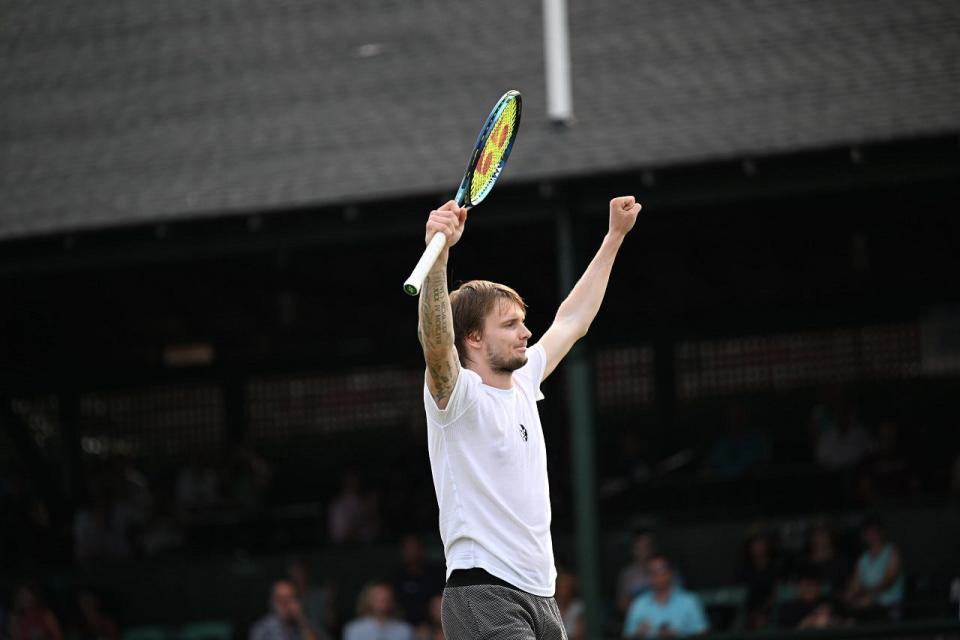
{"points": [[430, 254]]}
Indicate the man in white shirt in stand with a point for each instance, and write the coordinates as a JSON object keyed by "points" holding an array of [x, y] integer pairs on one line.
{"points": [[485, 440]]}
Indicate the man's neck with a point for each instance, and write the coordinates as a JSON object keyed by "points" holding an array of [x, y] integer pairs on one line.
{"points": [[662, 596], [491, 378]]}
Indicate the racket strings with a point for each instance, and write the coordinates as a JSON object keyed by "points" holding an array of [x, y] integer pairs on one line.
{"points": [[491, 157]]}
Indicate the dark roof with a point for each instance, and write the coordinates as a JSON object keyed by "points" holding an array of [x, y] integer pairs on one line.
{"points": [[124, 112]]}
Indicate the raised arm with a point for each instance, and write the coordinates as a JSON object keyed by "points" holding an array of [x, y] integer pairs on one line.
{"points": [[581, 305], [435, 329]]}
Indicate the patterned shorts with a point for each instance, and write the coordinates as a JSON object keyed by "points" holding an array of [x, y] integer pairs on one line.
{"points": [[494, 612]]}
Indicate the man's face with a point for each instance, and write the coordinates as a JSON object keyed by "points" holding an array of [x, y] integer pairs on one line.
{"points": [[643, 547], [808, 589], [436, 608], [381, 600], [661, 577], [872, 536], [285, 603], [299, 574], [820, 541], [504, 340], [24, 599], [412, 550]]}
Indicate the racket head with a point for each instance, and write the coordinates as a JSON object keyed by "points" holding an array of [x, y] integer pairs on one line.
{"points": [[493, 147]]}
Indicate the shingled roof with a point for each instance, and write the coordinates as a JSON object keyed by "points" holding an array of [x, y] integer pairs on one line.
{"points": [[117, 113]]}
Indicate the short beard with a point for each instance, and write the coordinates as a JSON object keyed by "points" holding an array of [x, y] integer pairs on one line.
{"points": [[504, 365]]}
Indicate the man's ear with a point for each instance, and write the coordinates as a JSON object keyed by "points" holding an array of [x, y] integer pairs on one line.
{"points": [[473, 339]]}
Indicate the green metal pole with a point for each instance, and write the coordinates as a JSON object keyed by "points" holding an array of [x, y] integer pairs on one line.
{"points": [[579, 376]]}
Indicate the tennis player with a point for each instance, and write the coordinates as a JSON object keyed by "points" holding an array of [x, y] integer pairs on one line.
{"points": [[486, 444]]}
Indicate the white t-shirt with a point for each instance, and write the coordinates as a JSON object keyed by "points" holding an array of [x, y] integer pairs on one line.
{"points": [[489, 467]]}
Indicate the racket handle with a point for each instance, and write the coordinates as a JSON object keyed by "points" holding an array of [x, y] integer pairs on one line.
{"points": [[430, 254]]}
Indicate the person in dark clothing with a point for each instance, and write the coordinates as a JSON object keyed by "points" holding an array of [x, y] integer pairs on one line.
{"points": [[417, 581], [810, 610], [93, 622], [759, 574], [824, 557], [286, 620]]}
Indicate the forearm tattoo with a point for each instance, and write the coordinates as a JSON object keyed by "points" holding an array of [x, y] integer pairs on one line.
{"points": [[436, 335]]}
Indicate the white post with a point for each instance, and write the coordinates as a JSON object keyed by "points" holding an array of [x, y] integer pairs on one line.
{"points": [[556, 47]]}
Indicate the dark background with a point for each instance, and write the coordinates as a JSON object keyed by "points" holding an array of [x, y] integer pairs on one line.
{"points": [[250, 180]]}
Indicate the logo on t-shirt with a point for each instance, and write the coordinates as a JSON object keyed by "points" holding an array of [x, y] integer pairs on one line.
{"points": [[523, 432]]}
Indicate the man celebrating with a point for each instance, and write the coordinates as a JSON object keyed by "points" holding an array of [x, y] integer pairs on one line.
{"points": [[486, 444]]}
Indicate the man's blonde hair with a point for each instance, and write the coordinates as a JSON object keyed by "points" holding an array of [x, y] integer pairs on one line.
{"points": [[472, 302]]}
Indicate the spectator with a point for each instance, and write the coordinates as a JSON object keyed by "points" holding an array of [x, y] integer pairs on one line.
{"points": [[887, 472], [317, 602], [759, 572], [30, 619], [134, 497], [571, 607], [162, 532], [823, 557], [376, 616], [629, 466], [100, 531], [432, 629], [248, 477], [876, 589], [26, 528], [352, 516], [197, 487], [634, 579], [286, 620], [810, 609], [665, 609], [845, 443], [93, 623], [417, 581], [740, 449]]}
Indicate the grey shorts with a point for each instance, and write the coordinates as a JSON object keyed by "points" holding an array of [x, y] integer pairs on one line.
{"points": [[497, 612]]}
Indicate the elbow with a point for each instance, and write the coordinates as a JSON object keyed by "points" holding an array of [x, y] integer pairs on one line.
{"points": [[573, 326], [579, 330], [583, 330]]}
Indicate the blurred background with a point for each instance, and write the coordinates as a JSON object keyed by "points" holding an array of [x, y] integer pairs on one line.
{"points": [[210, 379]]}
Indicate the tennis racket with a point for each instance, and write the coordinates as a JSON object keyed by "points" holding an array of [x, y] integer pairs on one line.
{"points": [[487, 160]]}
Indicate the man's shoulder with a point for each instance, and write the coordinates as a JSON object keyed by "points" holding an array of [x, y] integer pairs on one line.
{"points": [[467, 380], [400, 629], [358, 623], [631, 570], [463, 395], [686, 598], [354, 630], [366, 627], [643, 601]]}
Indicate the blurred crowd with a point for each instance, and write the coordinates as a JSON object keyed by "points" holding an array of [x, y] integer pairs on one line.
{"points": [[864, 457], [28, 617], [837, 578], [123, 514], [818, 586]]}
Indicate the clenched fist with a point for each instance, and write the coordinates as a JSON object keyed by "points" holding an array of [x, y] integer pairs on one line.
{"points": [[623, 214], [448, 220]]}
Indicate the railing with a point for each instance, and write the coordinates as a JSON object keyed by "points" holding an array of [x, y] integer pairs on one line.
{"points": [[940, 629]]}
